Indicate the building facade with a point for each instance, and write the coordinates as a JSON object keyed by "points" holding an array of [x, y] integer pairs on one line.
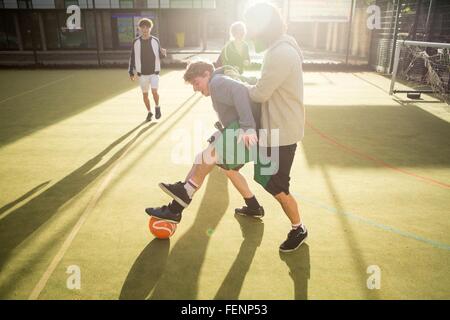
{"points": [[36, 30]]}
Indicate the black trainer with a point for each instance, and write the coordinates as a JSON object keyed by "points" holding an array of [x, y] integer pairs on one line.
{"points": [[177, 192], [164, 213], [149, 117], [157, 113], [294, 239], [246, 211]]}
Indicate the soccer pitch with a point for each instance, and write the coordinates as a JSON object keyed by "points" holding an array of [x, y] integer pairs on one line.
{"points": [[78, 165]]}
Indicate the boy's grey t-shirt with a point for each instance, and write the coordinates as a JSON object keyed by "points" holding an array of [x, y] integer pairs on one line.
{"points": [[231, 101], [147, 57]]}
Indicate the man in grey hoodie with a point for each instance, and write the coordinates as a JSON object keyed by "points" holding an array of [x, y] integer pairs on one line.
{"points": [[280, 92], [235, 111]]}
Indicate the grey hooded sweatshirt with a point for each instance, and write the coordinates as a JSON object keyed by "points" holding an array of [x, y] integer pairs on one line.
{"points": [[280, 91], [231, 101]]}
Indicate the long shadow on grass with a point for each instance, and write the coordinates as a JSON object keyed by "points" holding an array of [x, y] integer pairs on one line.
{"points": [[252, 232], [182, 268], [19, 224], [82, 176], [299, 270], [27, 195], [146, 270], [28, 113]]}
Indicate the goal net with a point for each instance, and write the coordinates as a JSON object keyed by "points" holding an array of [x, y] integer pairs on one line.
{"points": [[424, 67]]}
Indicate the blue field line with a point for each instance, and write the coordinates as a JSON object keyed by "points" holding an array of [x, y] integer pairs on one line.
{"points": [[373, 223]]}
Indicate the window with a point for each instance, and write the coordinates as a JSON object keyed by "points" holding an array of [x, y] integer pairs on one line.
{"points": [[152, 3], [29, 30], [85, 4], [180, 4], [107, 32], [43, 4], [24, 4], [10, 4], [8, 35], [68, 3], [102, 4], [3, 35], [126, 3], [89, 29], [125, 31], [140, 3], [51, 30]]}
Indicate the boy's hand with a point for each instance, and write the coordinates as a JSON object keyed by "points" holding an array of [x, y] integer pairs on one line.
{"points": [[249, 138], [164, 52]]}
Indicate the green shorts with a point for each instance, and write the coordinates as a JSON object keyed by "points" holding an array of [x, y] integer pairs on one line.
{"points": [[272, 166], [232, 155]]}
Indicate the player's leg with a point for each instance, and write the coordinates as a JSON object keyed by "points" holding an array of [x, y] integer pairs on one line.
{"points": [[183, 192], [144, 82], [278, 186], [252, 208], [155, 85], [290, 207]]}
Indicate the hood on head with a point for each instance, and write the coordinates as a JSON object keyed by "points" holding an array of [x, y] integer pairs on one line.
{"points": [[289, 40]]}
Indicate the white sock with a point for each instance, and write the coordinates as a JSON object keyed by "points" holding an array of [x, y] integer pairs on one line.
{"points": [[300, 225], [190, 187]]}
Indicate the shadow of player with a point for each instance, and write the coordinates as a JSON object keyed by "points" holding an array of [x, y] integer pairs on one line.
{"points": [[22, 222], [299, 270], [146, 270], [252, 232], [181, 270]]}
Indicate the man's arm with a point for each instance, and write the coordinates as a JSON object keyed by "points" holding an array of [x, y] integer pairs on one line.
{"points": [[162, 51], [276, 68], [131, 63]]}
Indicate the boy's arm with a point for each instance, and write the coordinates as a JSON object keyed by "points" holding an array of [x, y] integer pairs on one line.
{"points": [[131, 64], [162, 51]]}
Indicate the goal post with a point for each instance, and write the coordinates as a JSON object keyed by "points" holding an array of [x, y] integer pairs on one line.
{"points": [[425, 66]]}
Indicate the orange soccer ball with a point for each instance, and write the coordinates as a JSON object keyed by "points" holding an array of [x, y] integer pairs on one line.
{"points": [[161, 229]]}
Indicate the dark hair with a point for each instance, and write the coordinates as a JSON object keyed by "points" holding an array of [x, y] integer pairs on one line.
{"points": [[197, 69], [146, 22], [265, 23]]}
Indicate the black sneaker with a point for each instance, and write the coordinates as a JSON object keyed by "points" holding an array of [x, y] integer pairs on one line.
{"points": [[164, 213], [246, 211], [294, 239], [149, 117], [177, 192], [157, 113]]}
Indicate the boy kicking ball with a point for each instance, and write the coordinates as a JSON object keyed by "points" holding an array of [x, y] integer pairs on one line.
{"points": [[235, 110], [145, 59]]}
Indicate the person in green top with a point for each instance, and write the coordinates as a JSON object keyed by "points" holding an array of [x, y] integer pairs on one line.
{"points": [[236, 51]]}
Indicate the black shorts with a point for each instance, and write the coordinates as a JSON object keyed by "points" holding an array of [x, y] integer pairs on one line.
{"points": [[279, 182]]}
